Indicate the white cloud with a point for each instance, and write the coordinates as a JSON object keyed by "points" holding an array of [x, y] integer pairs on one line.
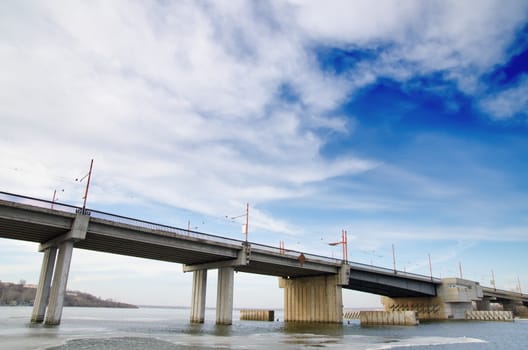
{"points": [[178, 102], [417, 37], [508, 102], [173, 102]]}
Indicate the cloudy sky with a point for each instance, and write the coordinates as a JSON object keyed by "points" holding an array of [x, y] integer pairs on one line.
{"points": [[404, 123]]}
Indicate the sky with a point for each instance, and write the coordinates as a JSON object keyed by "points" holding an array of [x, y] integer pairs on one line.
{"points": [[404, 123]]}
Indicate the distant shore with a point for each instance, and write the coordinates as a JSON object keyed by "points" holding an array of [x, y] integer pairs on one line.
{"points": [[22, 294]]}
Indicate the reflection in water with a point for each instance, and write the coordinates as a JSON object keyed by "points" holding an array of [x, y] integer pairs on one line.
{"points": [[330, 329]]}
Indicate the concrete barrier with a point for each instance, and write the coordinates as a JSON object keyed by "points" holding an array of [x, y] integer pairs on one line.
{"points": [[257, 315], [490, 316], [396, 318], [351, 315]]}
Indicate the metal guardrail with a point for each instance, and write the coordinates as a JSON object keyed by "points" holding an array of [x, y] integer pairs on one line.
{"points": [[41, 203], [149, 226], [180, 232]]}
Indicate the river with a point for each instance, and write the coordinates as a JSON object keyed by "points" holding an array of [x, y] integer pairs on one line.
{"points": [[169, 329]]}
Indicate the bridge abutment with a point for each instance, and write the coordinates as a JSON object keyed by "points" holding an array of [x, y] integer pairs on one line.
{"points": [[429, 308], [454, 298]]}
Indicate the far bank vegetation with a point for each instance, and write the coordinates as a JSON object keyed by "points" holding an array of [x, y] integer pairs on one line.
{"points": [[22, 294]]}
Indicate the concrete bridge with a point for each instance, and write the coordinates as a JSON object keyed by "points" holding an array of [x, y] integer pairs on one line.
{"points": [[312, 284]]}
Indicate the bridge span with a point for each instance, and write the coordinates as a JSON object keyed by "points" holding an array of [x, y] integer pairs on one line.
{"points": [[307, 279]]}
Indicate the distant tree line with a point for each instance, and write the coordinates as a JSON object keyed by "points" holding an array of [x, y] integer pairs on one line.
{"points": [[16, 294], [19, 294]]}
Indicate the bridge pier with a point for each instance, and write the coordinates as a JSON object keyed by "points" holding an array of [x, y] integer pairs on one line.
{"points": [[224, 296], [43, 289], [198, 296], [60, 281], [49, 299], [483, 305], [313, 299], [224, 293]]}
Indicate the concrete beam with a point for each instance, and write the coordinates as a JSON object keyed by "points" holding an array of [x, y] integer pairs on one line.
{"points": [[289, 262], [241, 260], [390, 285], [77, 232], [131, 235], [28, 214]]}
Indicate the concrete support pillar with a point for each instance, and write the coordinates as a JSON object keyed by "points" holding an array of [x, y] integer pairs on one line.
{"points": [[43, 289], [198, 296], [483, 305], [313, 299], [224, 296], [60, 280]]}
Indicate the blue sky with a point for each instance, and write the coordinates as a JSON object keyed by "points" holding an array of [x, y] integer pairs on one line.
{"points": [[404, 123]]}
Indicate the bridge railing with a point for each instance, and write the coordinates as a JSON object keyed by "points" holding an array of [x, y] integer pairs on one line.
{"points": [[295, 254], [152, 226], [41, 203]]}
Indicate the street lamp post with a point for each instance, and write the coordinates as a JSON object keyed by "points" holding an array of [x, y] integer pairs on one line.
{"points": [[247, 221], [89, 175], [55, 197], [393, 258], [246, 225], [344, 243], [430, 267]]}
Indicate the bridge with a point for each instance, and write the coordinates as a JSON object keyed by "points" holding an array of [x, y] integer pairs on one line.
{"points": [[312, 284]]}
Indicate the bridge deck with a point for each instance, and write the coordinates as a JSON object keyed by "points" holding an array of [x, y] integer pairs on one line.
{"points": [[34, 220]]}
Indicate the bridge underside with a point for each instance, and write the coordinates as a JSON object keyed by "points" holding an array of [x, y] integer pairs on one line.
{"points": [[388, 285], [41, 225]]}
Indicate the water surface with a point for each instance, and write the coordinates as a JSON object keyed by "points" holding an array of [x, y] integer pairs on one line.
{"points": [[169, 329]]}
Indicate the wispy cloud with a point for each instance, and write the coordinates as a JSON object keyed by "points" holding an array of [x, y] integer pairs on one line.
{"points": [[509, 102], [183, 104], [174, 112]]}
